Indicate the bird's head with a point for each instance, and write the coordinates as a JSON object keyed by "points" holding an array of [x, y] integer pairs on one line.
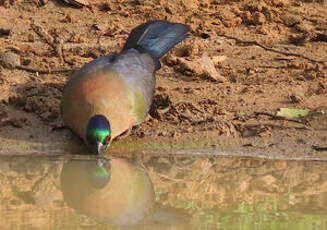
{"points": [[98, 134]]}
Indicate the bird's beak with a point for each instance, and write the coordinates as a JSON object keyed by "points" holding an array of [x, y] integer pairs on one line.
{"points": [[98, 148]]}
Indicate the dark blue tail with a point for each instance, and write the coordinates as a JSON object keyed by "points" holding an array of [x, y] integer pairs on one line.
{"points": [[156, 38]]}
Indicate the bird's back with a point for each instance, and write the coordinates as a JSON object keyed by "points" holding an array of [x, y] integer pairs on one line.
{"points": [[137, 71]]}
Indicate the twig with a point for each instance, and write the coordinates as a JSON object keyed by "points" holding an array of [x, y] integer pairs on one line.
{"points": [[169, 178], [31, 70], [44, 34], [57, 45], [165, 110], [271, 67], [276, 126], [255, 43], [275, 117], [319, 148], [59, 50], [189, 103]]}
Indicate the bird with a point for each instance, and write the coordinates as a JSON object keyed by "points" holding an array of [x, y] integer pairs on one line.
{"points": [[111, 94]]}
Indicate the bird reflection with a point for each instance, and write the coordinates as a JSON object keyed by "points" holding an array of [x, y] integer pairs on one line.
{"points": [[116, 191], [99, 174]]}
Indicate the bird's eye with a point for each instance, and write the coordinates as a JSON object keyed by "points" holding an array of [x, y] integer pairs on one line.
{"points": [[107, 139]]}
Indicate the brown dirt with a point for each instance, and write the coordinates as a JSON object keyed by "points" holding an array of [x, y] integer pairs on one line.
{"points": [[242, 60]]}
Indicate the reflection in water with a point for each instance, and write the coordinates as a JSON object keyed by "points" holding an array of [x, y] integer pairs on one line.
{"points": [[218, 192], [115, 191]]}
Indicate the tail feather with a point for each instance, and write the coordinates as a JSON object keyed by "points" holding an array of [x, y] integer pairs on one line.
{"points": [[156, 38]]}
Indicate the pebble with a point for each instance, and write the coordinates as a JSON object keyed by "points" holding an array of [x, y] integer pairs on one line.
{"points": [[17, 123], [290, 19], [259, 18], [100, 26], [43, 2], [263, 30], [247, 17], [4, 32], [78, 3], [10, 59]]}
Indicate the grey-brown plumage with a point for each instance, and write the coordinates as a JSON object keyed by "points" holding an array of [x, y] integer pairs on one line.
{"points": [[119, 87]]}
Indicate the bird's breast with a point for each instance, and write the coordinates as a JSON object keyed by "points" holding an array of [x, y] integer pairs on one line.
{"points": [[99, 93]]}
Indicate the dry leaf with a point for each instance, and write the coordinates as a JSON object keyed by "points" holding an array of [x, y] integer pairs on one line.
{"points": [[210, 69]]}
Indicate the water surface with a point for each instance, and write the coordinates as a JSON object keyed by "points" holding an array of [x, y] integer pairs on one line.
{"points": [[145, 191]]}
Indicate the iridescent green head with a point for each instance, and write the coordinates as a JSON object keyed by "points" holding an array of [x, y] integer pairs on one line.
{"points": [[98, 134]]}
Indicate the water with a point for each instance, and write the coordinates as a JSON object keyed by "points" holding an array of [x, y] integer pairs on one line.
{"points": [[161, 192]]}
